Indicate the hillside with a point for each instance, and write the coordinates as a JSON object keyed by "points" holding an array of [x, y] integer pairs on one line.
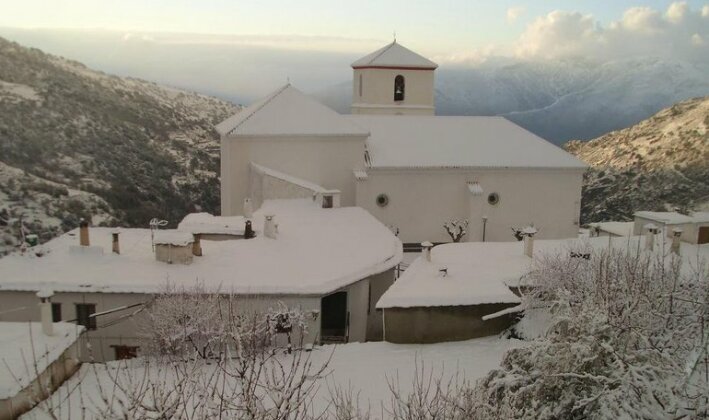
{"points": [[660, 163], [79, 143]]}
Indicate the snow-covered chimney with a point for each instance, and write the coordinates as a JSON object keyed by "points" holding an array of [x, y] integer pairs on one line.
{"points": [[115, 245], [197, 245], [650, 236], [426, 250], [529, 233], [270, 228], [45, 310], [248, 208], [84, 233], [676, 235]]}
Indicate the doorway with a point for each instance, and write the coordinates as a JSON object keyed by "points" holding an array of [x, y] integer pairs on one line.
{"points": [[703, 236], [334, 318]]}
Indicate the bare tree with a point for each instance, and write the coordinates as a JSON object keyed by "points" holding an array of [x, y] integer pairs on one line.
{"points": [[456, 229]]}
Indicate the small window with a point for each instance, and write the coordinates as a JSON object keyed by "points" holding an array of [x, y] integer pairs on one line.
{"points": [[56, 312], [493, 199], [382, 200], [83, 315], [125, 352], [360, 85], [327, 201], [399, 88]]}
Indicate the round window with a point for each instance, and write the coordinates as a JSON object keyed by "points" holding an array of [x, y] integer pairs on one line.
{"points": [[382, 200], [493, 199]]}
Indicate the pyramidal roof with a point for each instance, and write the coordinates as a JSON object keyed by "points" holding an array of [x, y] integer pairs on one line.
{"points": [[288, 111], [395, 55]]}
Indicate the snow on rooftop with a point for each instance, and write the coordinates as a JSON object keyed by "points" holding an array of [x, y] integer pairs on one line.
{"points": [[173, 237], [205, 223], [667, 217], [366, 368], [290, 179], [395, 55], [23, 343], [481, 272], [427, 141], [317, 251], [615, 228], [288, 112]]}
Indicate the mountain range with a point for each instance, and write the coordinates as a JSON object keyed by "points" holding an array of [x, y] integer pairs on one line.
{"points": [[661, 163], [559, 100]]}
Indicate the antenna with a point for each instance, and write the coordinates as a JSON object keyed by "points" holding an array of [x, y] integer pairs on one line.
{"points": [[394, 34], [155, 224]]}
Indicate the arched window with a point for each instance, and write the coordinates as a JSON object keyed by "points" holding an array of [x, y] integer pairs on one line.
{"points": [[399, 88]]}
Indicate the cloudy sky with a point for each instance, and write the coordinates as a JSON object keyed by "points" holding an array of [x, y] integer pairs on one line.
{"points": [[243, 49]]}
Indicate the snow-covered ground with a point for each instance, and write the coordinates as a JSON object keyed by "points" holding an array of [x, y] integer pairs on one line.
{"points": [[366, 368]]}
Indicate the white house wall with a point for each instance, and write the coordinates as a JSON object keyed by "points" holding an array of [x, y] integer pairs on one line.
{"points": [[421, 201], [326, 161]]}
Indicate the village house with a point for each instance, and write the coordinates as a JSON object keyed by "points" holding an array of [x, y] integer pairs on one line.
{"points": [[459, 291], [692, 228], [332, 263], [411, 169]]}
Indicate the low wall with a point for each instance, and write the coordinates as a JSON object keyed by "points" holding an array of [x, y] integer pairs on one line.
{"points": [[49, 380], [443, 323]]}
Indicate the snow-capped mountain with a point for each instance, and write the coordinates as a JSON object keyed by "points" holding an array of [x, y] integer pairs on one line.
{"points": [[658, 164], [559, 100], [79, 143]]}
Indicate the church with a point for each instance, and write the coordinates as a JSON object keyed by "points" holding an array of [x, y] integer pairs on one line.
{"points": [[413, 170]]}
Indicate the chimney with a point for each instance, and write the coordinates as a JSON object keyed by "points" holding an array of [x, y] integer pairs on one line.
{"points": [[45, 310], [529, 233], [84, 233], [676, 234], [197, 245], [115, 245], [248, 230], [426, 250], [270, 228], [248, 208], [650, 236]]}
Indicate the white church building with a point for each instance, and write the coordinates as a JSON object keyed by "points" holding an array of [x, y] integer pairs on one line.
{"points": [[411, 169]]}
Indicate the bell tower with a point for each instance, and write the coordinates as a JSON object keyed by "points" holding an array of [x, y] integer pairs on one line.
{"points": [[393, 81]]}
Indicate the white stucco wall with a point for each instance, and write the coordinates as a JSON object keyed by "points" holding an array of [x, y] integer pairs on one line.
{"points": [[690, 231], [421, 200], [378, 92], [326, 161]]}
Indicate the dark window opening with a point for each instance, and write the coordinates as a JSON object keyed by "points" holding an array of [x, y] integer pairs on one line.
{"points": [[333, 319], [56, 312], [399, 88], [125, 352], [327, 201], [360, 85], [83, 315]]}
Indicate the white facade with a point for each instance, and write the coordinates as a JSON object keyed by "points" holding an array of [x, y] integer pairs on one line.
{"points": [[412, 171]]}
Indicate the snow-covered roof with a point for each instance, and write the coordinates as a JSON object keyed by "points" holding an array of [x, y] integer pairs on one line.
{"points": [[315, 188], [395, 55], [173, 237], [666, 217], [427, 141], [23, 343], [480, 272], [206, 223], [288, 112], [615, 228], [317, 251]]}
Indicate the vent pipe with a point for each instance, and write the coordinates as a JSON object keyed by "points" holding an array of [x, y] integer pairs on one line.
{"points": [[426, 250], [529, 233], [270, 228], [650, 236], [45, 310], [197, 245], [84, 233], [676, 235]]}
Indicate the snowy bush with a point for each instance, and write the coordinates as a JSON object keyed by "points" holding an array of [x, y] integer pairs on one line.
{"points": [[628, 339], [456, 229]]}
